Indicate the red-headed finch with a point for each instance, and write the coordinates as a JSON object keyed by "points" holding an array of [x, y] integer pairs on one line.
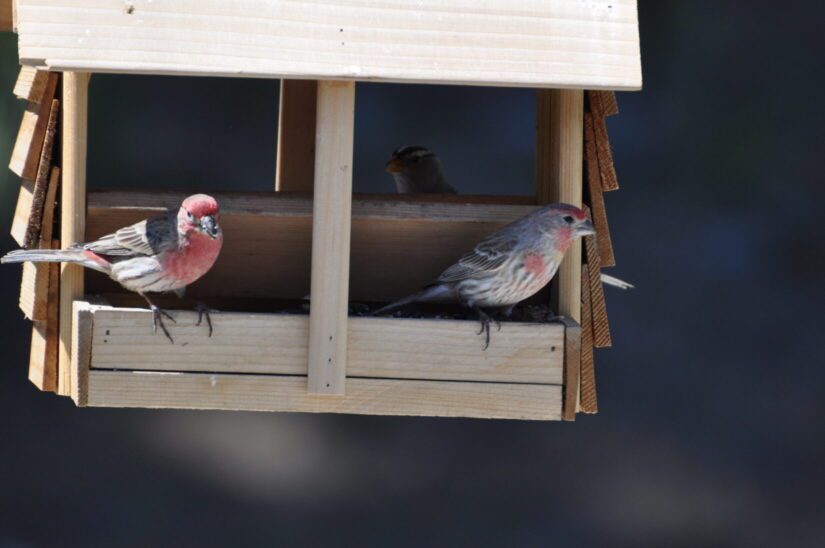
{"points": [[160, 254], [509, 265]]}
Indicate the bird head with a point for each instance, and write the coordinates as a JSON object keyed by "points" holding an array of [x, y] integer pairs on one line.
{"points": [[200, 213], [414, 168], [565, 221]]}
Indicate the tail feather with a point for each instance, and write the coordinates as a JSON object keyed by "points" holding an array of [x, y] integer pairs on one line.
{"points": [[49, 256], [433, 293], [615, 282]]}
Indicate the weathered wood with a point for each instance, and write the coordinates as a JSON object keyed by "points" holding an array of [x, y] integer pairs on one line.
{"points": [[572, 364], [288, 393], [331, 227], [559, 145], [35, 287], [31, 84], [598, 110], [601, 326], [81, 352], [587, 392], [378, 347], [268, 241], [603, 102], [43, 356], [594, 187], [499, 42], [72, 210], [42, 180], [25, 156], [295, 166], [6, 15]]}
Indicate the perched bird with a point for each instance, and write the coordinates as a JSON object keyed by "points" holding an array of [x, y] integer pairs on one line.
{"points": [[160, 254], [508, 266], [417, 170]]}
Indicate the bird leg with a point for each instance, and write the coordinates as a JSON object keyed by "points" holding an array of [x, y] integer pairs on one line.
{"points": [[485, 325], [157, 319], [202, 311]]}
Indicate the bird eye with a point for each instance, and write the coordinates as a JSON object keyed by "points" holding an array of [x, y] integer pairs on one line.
{"points": [[569, 220], [191, 216]]}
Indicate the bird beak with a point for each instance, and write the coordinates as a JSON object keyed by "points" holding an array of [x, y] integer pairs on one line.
{"points": [[586, 228], [209, 226], [395, 165]]}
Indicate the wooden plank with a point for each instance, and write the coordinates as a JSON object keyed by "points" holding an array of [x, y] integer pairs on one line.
{"points": [[559, 145], [22, 212], [599, 106], [35, 286], [81, 352], [331, 227], [601, 326], [587, 392], [499, 42], [295, 167], [42, 180], [594, 187], [378, 347], [288, 393], [603, 102], [72, 210], [268, 241], [572, 364], [25, 156], [31, 84], [43, 356], [6, 16]]}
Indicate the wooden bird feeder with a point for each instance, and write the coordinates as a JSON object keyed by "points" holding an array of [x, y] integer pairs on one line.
{"points": [[311, 235]]}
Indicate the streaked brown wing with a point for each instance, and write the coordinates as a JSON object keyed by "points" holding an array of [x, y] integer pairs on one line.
{"points": [[487, 257], [148, 237]]}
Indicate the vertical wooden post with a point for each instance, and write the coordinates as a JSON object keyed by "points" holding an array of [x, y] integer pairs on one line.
{"points": [[559, 144], [295, 164], [331, 215], [72, 209]]}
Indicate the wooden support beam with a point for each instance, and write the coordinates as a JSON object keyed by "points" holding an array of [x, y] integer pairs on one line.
{"points": [[72, 210], [572, 365], [559, 145], [25, 156], [35, 287], [295, 166], [596, 195], [31, 84], [43, 357], [331, 220], [587, 392]]}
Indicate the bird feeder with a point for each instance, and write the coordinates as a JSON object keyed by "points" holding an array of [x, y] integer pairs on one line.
{"points": [[311, 235]]}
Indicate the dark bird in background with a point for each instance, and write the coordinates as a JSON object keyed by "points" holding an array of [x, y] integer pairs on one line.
{"points": [[508, 266], [417, 170]]}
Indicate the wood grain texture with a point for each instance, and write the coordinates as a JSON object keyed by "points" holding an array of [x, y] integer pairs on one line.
{"points": [[331, 229], [288, 393], [268, 241], [598, 306], [25, 155], [587, 392], [572, 365], [35, 287], [43, 355], [599, 110], [565, 43], [72, 209], [603, 102], [31, 84], [22, 212], [596, 195], [42, 180], [378, 347], [6, 16], [295, 164], [559, 145], [81, 352]]}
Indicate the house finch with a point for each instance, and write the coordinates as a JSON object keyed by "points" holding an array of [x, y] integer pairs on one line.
{"points": [[163, 253], [509, 265], [417, 170]]}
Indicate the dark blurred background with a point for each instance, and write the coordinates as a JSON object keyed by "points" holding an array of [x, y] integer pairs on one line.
{"points": [[712, 399]]}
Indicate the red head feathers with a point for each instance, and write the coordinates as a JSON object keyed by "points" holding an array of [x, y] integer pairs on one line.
{"points": [[200, 205]]}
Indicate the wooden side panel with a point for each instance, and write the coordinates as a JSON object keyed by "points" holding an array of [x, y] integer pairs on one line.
{"points": [[572, 365], [72, 209], [533, 43], [286, 393], [81, 352], [594, 186], [587, 393], [31, 84], [295, 166], [22, 212], [378, 347], [43, 357], [26, 153]]}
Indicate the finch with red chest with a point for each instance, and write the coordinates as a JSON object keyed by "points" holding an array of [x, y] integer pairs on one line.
{"points": [[508, 266], [160, 254]]}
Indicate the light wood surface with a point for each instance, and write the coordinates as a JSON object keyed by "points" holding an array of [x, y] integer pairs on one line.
{"points": [[331, 227], [35, 287], [288, 393], [25, 155], [572, 367], [81, 351], [559, 156], [595, 191], [565, 43], [295, 165], [43, 355], [396, 246], [22, 212], [378, 347], [72, 209], [31, 84]]}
